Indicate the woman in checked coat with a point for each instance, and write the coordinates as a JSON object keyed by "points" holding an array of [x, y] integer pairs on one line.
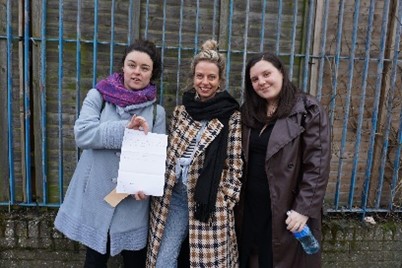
{"points": [[203, 169]]}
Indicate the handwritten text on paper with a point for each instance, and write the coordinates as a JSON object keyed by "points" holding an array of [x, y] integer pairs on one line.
{"points": [[142, 163]]}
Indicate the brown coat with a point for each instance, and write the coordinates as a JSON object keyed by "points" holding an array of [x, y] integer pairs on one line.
{"points": [[212, 244], [297, 167]]}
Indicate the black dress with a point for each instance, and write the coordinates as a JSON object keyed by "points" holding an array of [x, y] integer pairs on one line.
{"points": [[257, 234]]}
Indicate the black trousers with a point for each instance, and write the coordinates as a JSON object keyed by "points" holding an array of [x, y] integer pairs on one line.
{"points": [[131, 258]]}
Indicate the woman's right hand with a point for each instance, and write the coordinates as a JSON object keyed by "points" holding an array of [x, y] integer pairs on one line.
{"points": [[138, 123], [295, 221]]}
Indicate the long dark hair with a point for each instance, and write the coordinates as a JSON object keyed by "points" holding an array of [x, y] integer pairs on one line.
{"points": [[254, 108]]}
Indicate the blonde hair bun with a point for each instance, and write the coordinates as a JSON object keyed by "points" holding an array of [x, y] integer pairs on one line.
{"points": [[209, 52], [210, 45]]}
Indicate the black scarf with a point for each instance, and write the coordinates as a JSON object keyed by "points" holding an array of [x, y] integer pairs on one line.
{"points": [[221, 106]]}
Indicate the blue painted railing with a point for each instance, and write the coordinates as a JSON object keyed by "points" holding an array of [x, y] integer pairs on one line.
{"points": [[368, 180]]}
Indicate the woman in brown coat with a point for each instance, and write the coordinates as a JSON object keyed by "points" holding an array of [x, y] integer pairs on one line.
{"points": [[286, 144]]}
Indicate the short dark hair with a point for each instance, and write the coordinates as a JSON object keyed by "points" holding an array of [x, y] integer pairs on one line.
{"points": [[149, 48]]}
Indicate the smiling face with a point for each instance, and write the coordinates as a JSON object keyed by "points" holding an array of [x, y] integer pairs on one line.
{"points": [[266, 80], [137, 70], [206, 79]]}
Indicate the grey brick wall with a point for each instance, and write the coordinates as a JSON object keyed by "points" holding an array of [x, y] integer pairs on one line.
{"points": [[349, 242], [28, 239]]}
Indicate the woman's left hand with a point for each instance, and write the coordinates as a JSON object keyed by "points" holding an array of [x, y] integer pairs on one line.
{"points": [[140, 196], [139, 123], [295, 221]]}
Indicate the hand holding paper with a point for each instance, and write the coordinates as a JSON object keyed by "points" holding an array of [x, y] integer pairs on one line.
{"points": [[138, 122], [142, 163]]}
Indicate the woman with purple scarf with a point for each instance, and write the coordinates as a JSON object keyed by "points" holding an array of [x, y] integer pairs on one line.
{"points": [[124, 99]]}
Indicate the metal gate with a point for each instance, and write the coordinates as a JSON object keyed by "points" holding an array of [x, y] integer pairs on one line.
{"points": [[344, 52]]}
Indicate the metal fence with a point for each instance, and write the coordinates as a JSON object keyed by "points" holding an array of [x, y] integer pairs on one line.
{"points": [[344, 52]]}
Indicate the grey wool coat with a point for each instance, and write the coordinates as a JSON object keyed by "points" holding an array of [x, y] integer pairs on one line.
{"points": [[297, 166], [84, 216], [212, 244]]}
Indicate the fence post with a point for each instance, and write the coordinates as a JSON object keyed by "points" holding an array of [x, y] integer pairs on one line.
{"points": [[319, 12], [135, 20], [4, 174]]}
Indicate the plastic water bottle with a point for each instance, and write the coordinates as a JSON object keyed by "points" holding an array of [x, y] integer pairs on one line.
{"points": [[307, 240]]}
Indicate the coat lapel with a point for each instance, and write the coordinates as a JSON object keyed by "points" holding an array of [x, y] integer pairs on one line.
{"points": [[284, 131]]}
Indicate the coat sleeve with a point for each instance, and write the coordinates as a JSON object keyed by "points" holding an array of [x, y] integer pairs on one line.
{"points": [[160, 122], [174, 119], [315, 153], [90, 132], [234, 162]]}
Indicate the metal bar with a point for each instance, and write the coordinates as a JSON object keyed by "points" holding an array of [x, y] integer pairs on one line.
{"points": [[134, 13], [77, 73], [130, 22], [53, 205], [359, 210], [27, 100], [377, 96], [228, 53], [351, 69], [197, 15], [163, 51], [95, 42], [363, 93], [245, 38], [262, 33], [234, 51], [43, 101], [10, 105], [278, 27], [315, 47], [310, 21], [322, 50], [60, 97], [293, 34], [179, 52], [397, 161], [146, 21], [78, 62], [214, 35], [335, 84], [111, 56]]}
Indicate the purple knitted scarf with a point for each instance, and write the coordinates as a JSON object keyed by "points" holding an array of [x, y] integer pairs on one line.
{"points": [[113, 91]]}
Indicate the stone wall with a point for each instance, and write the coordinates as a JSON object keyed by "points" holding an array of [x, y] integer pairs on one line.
{"points": [[28, 239]]}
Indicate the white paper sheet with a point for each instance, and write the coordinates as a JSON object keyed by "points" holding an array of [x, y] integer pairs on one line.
{"points": [[142, 163]]}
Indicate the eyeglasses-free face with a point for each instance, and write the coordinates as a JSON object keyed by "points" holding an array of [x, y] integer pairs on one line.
{"points": [[206, 80], [137, 70], [267, 80]]}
